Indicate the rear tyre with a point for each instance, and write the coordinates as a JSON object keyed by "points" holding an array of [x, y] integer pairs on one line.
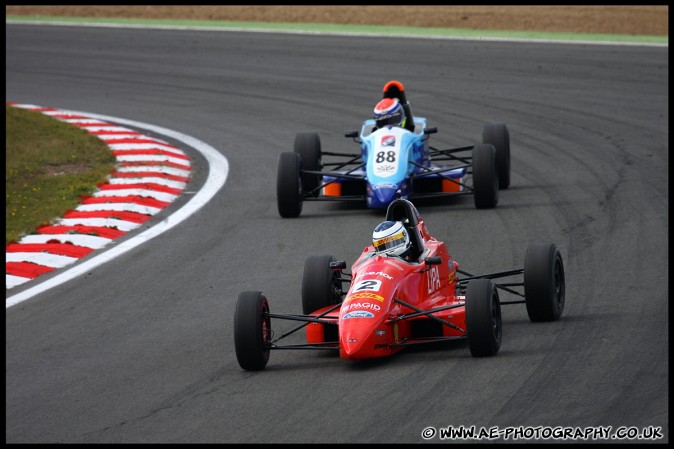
{"points": [[321, 285], [289, 185], [497, 135], [544, 283], [308, 146], [485, 177], [483, 318], [252, 331]]}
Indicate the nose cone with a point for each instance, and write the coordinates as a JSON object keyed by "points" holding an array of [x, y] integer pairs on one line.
{"points": [[383, 195], [355, 340], [352, 349]]}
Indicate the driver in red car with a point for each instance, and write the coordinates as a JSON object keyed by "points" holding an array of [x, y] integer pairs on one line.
{"points": [[391, 239]]}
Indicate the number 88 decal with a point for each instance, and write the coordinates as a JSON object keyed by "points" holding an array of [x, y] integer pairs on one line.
{"points": [[389, 156]]}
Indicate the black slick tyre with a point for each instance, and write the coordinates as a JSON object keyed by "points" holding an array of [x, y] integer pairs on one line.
{"points": [[485, 177], [289, 185], [252, 331], [321, 285], [544, 282], [308, 146], [497, 135], [484, 328]]}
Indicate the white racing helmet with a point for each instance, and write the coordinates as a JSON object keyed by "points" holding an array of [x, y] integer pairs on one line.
{"points": [[391, 238]]}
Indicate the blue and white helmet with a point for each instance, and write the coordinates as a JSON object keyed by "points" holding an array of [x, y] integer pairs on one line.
{"points": [[389, 112], [391, 238]]}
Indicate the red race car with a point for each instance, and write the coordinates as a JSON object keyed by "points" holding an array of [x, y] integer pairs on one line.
{"points": [[393, 302]]}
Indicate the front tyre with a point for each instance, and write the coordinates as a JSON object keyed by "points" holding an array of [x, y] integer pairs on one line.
{"points": [[483, 318], [252, 331], [308, 146], [321, 285], [289, 185], [544, 283], [485, 177], [497, 135]]}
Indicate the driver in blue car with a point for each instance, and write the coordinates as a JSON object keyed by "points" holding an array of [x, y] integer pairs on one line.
{"points": [[389, 112], [391, 239], [394, 98]]}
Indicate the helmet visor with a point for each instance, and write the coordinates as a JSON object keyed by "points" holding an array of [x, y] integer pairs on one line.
{"points": [[390, 242], [394, 119]]}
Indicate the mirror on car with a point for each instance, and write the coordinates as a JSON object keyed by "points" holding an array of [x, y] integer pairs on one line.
{"points": [[338, 265]]}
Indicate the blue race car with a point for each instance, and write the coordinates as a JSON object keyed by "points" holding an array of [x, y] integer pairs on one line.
{"points": [[395, 160]]}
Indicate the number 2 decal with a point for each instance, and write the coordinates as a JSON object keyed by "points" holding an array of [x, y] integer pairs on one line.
{"points": [[369, 285]]}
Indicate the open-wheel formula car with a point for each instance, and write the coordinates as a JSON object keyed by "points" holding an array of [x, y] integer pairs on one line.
{"points": [[392, 303], [393, 158]]}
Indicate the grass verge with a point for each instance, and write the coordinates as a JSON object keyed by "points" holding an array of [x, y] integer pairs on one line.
{"points": [[49, 166]]}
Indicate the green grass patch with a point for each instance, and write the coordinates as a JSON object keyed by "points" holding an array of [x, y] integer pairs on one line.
{"points": [[49, 166]]}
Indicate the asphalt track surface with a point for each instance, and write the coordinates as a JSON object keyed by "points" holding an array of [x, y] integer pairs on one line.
{"points": [[140, 349]]}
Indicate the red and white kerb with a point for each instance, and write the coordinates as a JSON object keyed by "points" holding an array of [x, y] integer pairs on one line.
{"points": [[150, 175]]}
